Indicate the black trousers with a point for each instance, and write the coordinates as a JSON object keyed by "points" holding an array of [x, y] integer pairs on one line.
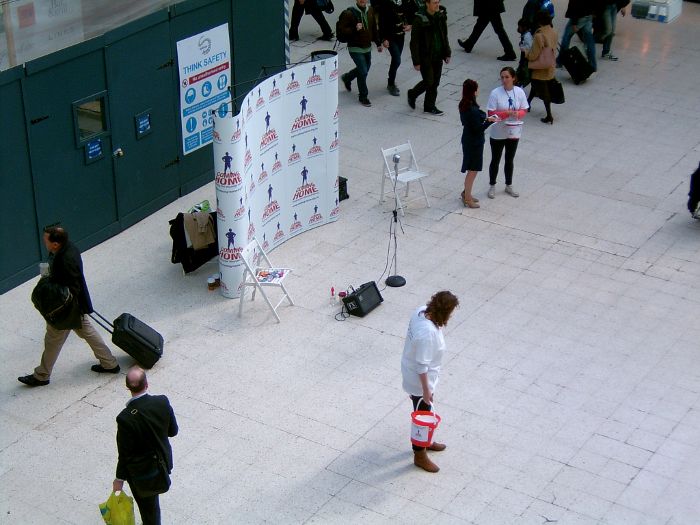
{"points": [[497, 147], [418, 406], [497, 24], [149, 508], [312, 9], [430, 74]]}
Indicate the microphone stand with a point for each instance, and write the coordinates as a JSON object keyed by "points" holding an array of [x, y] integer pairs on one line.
{"points": [[395, 281]]}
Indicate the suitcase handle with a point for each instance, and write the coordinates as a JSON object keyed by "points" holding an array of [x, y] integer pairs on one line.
{"points": [[109, 327]]}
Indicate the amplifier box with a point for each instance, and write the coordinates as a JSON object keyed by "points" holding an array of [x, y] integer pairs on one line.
{"points": [[363, 300]]}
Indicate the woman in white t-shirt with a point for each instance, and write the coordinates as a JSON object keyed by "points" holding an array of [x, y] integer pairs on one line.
{"points": [[421, 361], [509, 103]]}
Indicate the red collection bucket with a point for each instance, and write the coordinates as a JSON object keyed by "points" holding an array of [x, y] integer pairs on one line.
{"points": [[423, 425]]}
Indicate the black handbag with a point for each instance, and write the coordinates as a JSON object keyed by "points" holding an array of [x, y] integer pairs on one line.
{"points": [[325, 5], [57, 305], [556, 91]]}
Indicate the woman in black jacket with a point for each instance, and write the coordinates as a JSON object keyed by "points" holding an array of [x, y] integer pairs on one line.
{"points": [[475, 123]]}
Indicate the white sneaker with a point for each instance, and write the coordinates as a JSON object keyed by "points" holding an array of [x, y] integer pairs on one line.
{"points": [[511, 191], [492, 191]]}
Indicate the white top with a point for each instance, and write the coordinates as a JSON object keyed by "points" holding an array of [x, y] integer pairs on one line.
{"points": [[498, 101], [526, 41], [422, 352]]}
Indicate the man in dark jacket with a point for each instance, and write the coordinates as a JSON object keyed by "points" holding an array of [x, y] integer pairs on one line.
{"points": [[66, 269], [607, 11], [143, 429], [489, 12], [395, 18], [429, 49], [358, 27], [580, 21], [310, 8]]}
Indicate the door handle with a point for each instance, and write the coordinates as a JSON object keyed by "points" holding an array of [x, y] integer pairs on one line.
{"points": [[118, 153]]}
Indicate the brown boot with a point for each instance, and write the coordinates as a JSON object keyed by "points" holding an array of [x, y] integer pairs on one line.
{"points": [[437, 447], [421, 459]]}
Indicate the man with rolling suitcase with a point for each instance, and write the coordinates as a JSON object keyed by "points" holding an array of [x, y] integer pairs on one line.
{"points": [[66, 269], [579, 16]]}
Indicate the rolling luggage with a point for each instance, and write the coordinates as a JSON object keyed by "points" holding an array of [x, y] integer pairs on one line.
{"points": [[135, 337], [576, 64]]}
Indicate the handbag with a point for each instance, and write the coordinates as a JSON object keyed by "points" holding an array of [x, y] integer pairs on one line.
{"points": [[325, 5], [148, 474], [556, 91], [57, 305], [544, 60]]}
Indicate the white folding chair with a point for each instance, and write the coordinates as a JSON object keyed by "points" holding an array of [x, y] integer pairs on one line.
{"points": [[261, 276], [407, 172]]}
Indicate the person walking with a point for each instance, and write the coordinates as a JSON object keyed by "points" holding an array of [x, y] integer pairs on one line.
{"points": [[489, 12], [544, 43], [308, 7], [422, 359], [358, 28], [608, 16], [475, 123], [395, 17], [579, 15], [429, 49], [509, 103], [66, 269], [143, 429]]}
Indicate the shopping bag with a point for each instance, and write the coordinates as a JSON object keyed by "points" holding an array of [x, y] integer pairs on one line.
{"points": [[118, 509]]}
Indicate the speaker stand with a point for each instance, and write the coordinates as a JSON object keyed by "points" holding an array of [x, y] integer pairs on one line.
{"points": [[395, 281]]}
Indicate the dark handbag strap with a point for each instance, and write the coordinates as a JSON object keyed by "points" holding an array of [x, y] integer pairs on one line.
{"points": [[160, 450]]}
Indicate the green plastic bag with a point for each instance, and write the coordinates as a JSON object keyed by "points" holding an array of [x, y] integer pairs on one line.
{"points": [[118, 509]]}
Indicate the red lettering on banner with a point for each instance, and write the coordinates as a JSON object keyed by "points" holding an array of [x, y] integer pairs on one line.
{"points": [[230, 254], [251, 232], [236, 136], [220, 214], [262, 177], [270, 209], [217, 137], [314, 79], [334, 144], [335, 211], [304, 121], [295, 226], [276, 166], [239, 212], [268, 138], [292, 86], [294, 157], [333, 74], [228, 179], [208, 73], [260, 103], [265, 246], [315, 150], [248, 158], [305, 191], [274, 93], [316, 217], [278, 235]]}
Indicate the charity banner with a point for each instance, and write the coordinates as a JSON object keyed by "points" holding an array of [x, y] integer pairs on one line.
{"points": [[204, 65], [276, 163]]}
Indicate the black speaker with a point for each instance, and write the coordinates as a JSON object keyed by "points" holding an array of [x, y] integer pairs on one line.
{"points": [[363, 300]]}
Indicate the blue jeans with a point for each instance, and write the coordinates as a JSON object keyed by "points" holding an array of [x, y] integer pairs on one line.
{"points": [[609, 18], [585, 31], [395, 50], [363, 61]]}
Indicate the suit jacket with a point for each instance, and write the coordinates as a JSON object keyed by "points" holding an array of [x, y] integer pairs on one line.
{"points": [[67, 270], [134, 437]]}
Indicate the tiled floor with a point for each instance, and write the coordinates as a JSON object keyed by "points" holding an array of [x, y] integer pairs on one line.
{"points": [[571, 393]]}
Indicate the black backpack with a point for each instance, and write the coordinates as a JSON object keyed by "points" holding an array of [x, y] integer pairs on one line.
{"points": [[339, 36]]}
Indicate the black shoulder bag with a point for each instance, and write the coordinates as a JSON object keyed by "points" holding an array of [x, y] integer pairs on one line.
{"points": [[148, 474]]}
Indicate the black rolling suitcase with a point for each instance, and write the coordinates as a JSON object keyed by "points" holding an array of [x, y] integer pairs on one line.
{"points": [[576, 64], [135, 337]]}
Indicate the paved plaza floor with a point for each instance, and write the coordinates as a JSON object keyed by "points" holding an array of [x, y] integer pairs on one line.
{"points": [[570, 392]]}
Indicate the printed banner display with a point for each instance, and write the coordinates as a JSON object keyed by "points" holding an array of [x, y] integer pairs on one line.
{"points": [[205, 77], [276, 163]]}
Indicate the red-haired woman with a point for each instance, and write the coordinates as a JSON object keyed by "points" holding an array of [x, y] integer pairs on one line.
{"points": [[475, 123], [421, 361]]}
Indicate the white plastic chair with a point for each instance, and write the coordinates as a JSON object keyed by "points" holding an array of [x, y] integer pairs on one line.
{"points": [[408, 172], [262, 276]]}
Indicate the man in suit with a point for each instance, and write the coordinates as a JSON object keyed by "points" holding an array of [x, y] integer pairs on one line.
{"points": [[66, 269], [143, 429], [489, 12]]}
